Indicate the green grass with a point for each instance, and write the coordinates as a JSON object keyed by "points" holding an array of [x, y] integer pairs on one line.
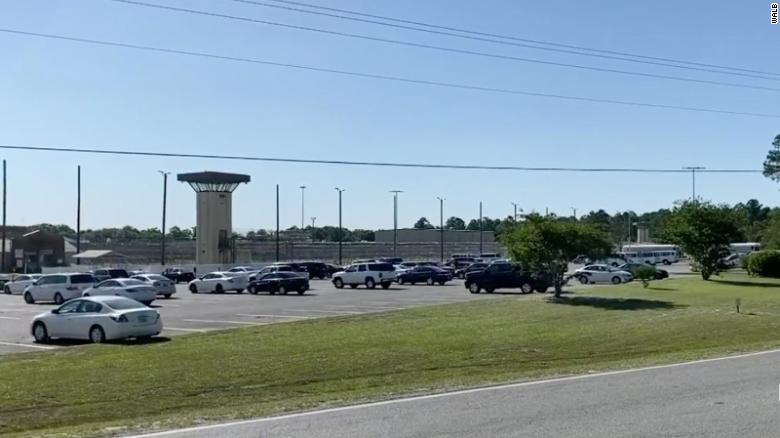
{"points": [[97, 390]]}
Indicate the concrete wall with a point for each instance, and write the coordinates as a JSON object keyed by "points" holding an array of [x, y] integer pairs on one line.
{"points": [[214, 218], [410, 235]]}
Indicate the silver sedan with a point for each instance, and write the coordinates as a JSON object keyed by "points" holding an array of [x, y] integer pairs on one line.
{"points": [[163, 285]]}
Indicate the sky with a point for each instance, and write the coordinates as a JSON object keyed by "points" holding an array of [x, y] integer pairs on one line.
{"points": [[66, 94]]}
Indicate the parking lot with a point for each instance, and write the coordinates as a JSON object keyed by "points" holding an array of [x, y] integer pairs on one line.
{"points": [[195, 313]]}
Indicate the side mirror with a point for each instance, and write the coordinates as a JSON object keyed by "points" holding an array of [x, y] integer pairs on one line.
{"points": [[35, 283], [55, 311]]}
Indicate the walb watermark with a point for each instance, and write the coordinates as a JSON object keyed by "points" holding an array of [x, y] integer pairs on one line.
{"points": [[773, 13]]}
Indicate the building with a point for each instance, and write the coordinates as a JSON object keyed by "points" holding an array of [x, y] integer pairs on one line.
{"points": [[414, 235], [35, 250]]}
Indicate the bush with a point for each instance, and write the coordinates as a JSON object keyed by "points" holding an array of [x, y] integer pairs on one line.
{"points": [[644, 274], [764, 263]]}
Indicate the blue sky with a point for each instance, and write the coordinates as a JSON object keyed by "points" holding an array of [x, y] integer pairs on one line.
{"points": [[57, 93]]}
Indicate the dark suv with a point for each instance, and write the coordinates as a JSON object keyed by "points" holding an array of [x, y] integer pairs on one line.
{"points": [[178, 275], [107, 274], [316, 269], [505, 276]]}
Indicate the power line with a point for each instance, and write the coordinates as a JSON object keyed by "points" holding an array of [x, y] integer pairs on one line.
{"points": [[392, 78], [125, 152], [517, 44], [433, 47], [507, 37]]}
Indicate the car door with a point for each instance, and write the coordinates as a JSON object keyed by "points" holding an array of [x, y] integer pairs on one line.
{"points": [[210, 282], [57, 285], [350, 274], [59, 326], [599, 274], [17, 286], [80, 321]]}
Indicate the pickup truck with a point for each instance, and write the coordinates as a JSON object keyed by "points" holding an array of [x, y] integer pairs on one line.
{"points": [[504, 276]]}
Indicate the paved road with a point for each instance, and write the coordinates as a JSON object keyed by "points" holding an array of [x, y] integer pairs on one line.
{"points": [[736, 397], [190, 313]]}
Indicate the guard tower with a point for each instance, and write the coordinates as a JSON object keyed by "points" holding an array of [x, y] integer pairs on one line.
{"points": [[214, 191]]}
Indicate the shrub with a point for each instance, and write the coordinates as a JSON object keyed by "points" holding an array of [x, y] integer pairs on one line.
{"points": [[764, 263], [644, 274]]}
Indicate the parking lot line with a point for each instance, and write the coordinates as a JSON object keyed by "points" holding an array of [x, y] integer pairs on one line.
{"points": [[340, 312], [214, 321], [15, 344], [10, 317], [272, 316], [185, 329]]}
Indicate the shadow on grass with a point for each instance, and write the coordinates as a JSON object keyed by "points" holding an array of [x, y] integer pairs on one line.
{"points": [[616, 303], [61, 342], [746, 283]]}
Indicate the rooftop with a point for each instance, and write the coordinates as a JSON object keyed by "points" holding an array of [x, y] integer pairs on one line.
{"points": [[213, 181]]}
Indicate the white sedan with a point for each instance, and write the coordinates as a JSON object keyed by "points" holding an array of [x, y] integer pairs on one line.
{"points": [[163, 285], [218, 282], [97, 319], [602, 274], [18, 284], [124, 287]]}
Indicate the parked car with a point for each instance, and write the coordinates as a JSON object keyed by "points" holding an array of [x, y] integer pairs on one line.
{"points": [[296, 267], [19, 283], [270, 269], [476, 266], [279, 282], [660, 274], [391, 260], [136, 272], [97, 319], [602, 274], [58, 287], [105, 274], [368, 274], [503, 275], [332, 269], [316, 269], [124, 287], [218, 282], [241, 270], [460, 263], [178, 275], [162, 285], [424, 274]]}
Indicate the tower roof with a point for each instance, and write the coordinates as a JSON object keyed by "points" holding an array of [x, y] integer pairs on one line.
{"points": [[213, 181]]}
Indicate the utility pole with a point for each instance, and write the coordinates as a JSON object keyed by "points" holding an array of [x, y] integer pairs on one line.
{"points": [[165, 196], [480, 228], [340, 230], [514, 217], [395, 221], [693, 170], [441, 225], [277, 222], [313, 219], [303, 188], [2, 263], [78, 213], [574, 210]]}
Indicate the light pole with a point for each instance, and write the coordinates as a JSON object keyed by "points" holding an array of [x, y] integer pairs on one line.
{"points": [[165, 196], [4, 197], [340, 229], [514, 204], [693, 170], [480, 228], [277, 222], [303, 188], [395, 221], [313, 219], [441, 224], [574, 210], [78, 213]]}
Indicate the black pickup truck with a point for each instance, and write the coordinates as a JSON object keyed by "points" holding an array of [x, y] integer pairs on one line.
{"points": [[505, 276]]}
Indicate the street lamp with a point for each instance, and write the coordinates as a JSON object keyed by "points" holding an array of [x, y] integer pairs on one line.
{"points": [[480, 228], [574, 210], [302, 204], [165, 196], [514, 204], [313, 219], [693, 170], [395, 220], [441, 224], [340, 229]]}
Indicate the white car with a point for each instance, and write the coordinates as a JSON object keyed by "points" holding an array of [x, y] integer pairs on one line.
{"points": [[368, 274], [163, 285], [124, 287], [218, 282], [97, 319], [602, 274], [58, 287], [20, 283]]}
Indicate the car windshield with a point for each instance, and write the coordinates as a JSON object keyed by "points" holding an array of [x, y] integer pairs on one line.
{"points": [[82, 279], [121, 303]]}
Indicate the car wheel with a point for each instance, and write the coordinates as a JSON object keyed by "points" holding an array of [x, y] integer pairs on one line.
{"points": [[461, 275], [339, 283], [386, 285], [370, 283], [584, 279], [542, 289], [666, 262], [193, 288], [282, 290], [252, 290], [441, 283], [429, 281], [97, 335], [474, 288], [616, 280], [239, 291], [7, 290], [58, 299], [219, 289], [40, 333], [526, 288], [28, 298], [167, 296], [400, 280], [301, 290], [490, 290]]}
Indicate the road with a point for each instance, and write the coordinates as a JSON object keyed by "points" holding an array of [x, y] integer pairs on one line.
{"points": [[735, 397]]}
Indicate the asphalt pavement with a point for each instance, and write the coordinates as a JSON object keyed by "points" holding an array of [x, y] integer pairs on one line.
{"points": [[733, 397]]}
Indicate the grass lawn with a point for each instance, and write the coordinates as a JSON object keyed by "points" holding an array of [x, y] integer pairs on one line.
{"points": [[99, 390]]}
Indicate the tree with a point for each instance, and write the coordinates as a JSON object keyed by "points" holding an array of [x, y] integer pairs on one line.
{"points": [[455, 223], [703, 232], [423, 224], [544, 244], [177, 233], [772, 162]]}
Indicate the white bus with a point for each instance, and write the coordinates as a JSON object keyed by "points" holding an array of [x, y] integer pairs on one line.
{"points": [[651, 253], [743, 249]]}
